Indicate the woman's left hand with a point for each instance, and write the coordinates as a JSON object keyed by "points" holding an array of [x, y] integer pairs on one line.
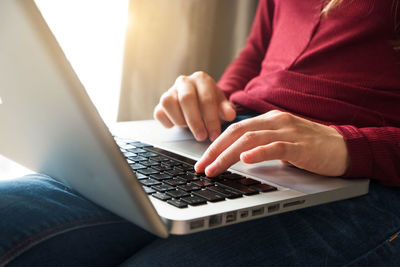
{"points": [[282, 136]]}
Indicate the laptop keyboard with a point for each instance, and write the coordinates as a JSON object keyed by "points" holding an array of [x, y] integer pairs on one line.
{"points": [[171, 178]]}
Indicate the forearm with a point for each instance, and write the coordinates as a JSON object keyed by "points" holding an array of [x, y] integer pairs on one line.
{"points": [[374, 152]]}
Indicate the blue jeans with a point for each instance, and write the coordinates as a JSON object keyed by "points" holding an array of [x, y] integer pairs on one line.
{"points": [[45, 223]]}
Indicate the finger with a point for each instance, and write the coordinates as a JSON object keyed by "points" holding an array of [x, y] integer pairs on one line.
{"points": [[188, 101], [209, 106], [230, 135], [170, 104], [160, 115], [247, 141], [227, 110], [285, 151]]}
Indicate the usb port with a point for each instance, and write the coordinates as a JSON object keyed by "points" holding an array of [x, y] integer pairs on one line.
{"points": [[273, 208], [244, 214], [257, 211], [231, 216], [294, 203], [196, 224], [215, 220]]}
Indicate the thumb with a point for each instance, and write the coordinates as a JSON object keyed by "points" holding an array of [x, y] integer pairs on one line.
{"points": [[227, 110]]}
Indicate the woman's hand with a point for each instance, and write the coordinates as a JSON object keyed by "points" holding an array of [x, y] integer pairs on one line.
{"points": [[196, 102], [278, 135]]}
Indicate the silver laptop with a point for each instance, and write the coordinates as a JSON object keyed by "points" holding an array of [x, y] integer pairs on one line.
{"points": [[49, 124]]}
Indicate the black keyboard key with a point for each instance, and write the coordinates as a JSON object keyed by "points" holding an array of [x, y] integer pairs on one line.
{"points": [[209, 195], [161, 196], [163, 187], [175, 172], [189, 187], [173, 163], [136, 150], [149, 190], [167, 165], [124, 145], [161, 176], [189, 177], [248, 181], [177, 193], [225, 192], [175, 181], [232, 176], [203, 183], [160, 158], [194, 200], [139, 144], [237, 187], [129, 154], [140, 176], [149, 163], [196, 174], [162, 168], [187, 168], [177, 203], [148, 154], [212, 179], [149, 182], [173, 155], [138, 158], [264, 187], [148, 171], [137, 166]]}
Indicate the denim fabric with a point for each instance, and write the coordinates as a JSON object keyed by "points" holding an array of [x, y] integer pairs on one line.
{"points": [[354, 232], [44, 223]]}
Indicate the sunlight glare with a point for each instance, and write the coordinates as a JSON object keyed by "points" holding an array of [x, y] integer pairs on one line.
{"points": [[92, 34]]}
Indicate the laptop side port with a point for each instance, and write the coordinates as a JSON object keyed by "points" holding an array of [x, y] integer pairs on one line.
{"points": [[215, 220], [244, 214], [231, 216], [257, 211], [293, 203], [196, 224], [273, 208]]}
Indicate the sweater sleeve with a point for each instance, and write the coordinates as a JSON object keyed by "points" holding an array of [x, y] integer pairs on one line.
{"points": [[374, 153], [248, 64]]}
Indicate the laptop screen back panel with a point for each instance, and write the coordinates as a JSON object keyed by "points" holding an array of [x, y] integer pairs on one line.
{"points": [[50, 125]]}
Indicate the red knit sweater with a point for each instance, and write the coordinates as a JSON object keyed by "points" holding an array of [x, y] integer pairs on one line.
{"points": [[339, 70]]}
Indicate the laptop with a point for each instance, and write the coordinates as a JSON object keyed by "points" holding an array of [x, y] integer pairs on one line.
{"points": [[138, 170]]}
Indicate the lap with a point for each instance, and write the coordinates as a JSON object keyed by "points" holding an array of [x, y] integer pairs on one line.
{"points": [[46, 223], [350, 232]]}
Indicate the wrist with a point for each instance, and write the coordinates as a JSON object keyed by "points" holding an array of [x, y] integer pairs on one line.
{"points": [[359, 151]]}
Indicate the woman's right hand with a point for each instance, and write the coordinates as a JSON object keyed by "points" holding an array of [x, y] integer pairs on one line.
{"points": [[196, 102]]}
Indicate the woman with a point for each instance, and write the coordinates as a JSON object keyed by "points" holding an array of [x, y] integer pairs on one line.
{"points": [[325, 79]]}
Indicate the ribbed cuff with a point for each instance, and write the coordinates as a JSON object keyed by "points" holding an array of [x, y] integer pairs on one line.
{"points": [[360, 153]]}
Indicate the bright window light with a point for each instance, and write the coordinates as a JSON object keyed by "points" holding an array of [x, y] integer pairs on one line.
{"points": [[92, 33]]}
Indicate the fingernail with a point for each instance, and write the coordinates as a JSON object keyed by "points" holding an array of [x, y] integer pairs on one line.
{"points": [[244, 157], [201, 135], [210, 170], [196, 166]]}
